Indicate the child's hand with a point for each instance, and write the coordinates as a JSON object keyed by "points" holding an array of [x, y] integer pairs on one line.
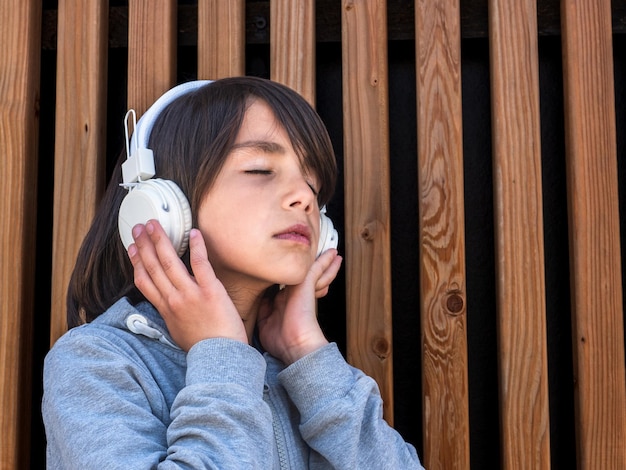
{"points": [[194, 307], [288, 326]]}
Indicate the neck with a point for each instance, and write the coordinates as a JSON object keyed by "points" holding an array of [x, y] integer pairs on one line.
{"points": [[247, 303]]}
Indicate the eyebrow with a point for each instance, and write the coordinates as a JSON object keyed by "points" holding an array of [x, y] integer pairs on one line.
{"points": [[269, 147], [262, 145]]}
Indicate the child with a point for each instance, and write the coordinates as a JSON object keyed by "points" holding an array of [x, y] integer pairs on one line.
{"points": [[203, 361]]}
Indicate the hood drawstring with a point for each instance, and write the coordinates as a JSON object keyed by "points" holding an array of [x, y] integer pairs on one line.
{"points": [[138, 324]]}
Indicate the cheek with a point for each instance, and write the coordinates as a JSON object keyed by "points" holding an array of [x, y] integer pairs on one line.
{"points": [[228, 240], [217, 236], [209, 226], [214, 218]]}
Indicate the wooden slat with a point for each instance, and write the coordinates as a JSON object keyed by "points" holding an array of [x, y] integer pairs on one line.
{"points": [[20, 35], [519, 234], [366, 180], [442, 240], [151, 51], [596, 283], [80, 137], [221, 38], [400, 22], [292, 45]]}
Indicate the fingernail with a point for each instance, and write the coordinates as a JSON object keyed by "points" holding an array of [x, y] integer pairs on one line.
{"points": [[132, 250], [150, 227], [136, 230]]}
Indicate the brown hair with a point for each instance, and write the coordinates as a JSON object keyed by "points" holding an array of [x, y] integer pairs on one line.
{"points": [[191, 139]]}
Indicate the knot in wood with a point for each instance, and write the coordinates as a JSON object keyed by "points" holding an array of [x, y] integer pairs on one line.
{"points": [[455, 303], [367, 232], [380, 346]]}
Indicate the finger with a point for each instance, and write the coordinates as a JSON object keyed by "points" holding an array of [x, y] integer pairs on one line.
{"points": [[322, 263], [199, 259], [166, 268], [328, 275], [170, 262], [142, 278], [321, 293]]}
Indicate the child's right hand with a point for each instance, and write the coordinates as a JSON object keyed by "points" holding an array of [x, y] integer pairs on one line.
{"points": [[194, 307]]}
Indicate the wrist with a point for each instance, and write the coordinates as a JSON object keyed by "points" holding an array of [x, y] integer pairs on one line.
{"points": [[304, 348]]}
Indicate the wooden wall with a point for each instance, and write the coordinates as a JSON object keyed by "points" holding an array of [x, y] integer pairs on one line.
{"points": [[481, 146]]}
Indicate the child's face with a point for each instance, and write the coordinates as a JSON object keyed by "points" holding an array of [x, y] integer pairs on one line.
{"points": [[260, 219]]}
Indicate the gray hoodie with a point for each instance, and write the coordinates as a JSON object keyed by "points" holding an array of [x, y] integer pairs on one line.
{"points": [[118, 393]]}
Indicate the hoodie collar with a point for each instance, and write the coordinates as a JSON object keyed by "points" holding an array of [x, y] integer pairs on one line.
{"points": [[141, 319]]}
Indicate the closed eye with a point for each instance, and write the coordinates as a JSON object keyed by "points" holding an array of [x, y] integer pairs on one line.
{"points": [[259, 171], [312, 188]]}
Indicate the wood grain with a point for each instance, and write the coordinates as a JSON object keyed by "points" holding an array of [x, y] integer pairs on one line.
{"points": [[221, 38], [151, 51], [366, 168], [20, 35], [292, 45], [80, 140], [524, 412], [596, 279], [442, 240]]}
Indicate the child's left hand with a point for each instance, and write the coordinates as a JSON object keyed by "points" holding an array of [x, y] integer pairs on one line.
{"points": [[288, 326]]}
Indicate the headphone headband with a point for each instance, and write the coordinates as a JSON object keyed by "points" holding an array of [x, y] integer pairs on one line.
{"points": [[141, 134]]}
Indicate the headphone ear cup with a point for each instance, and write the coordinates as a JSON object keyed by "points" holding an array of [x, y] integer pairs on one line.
{"points": [[161, 200], [329, 238]]}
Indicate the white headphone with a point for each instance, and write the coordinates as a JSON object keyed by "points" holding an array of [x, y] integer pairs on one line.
{"points": [[161, 199]]}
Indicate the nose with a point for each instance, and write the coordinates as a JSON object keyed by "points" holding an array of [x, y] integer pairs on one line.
{"points": [[300, 195]]}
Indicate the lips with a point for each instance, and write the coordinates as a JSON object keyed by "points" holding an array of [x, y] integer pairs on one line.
{"points": [[298, 233]]}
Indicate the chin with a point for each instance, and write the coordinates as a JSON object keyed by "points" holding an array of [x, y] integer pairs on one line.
{"points": [[292, 270], [291, 279]]}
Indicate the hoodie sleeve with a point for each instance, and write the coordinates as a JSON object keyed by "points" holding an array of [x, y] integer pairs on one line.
{"points": [[101, 408], [341, 415]]}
